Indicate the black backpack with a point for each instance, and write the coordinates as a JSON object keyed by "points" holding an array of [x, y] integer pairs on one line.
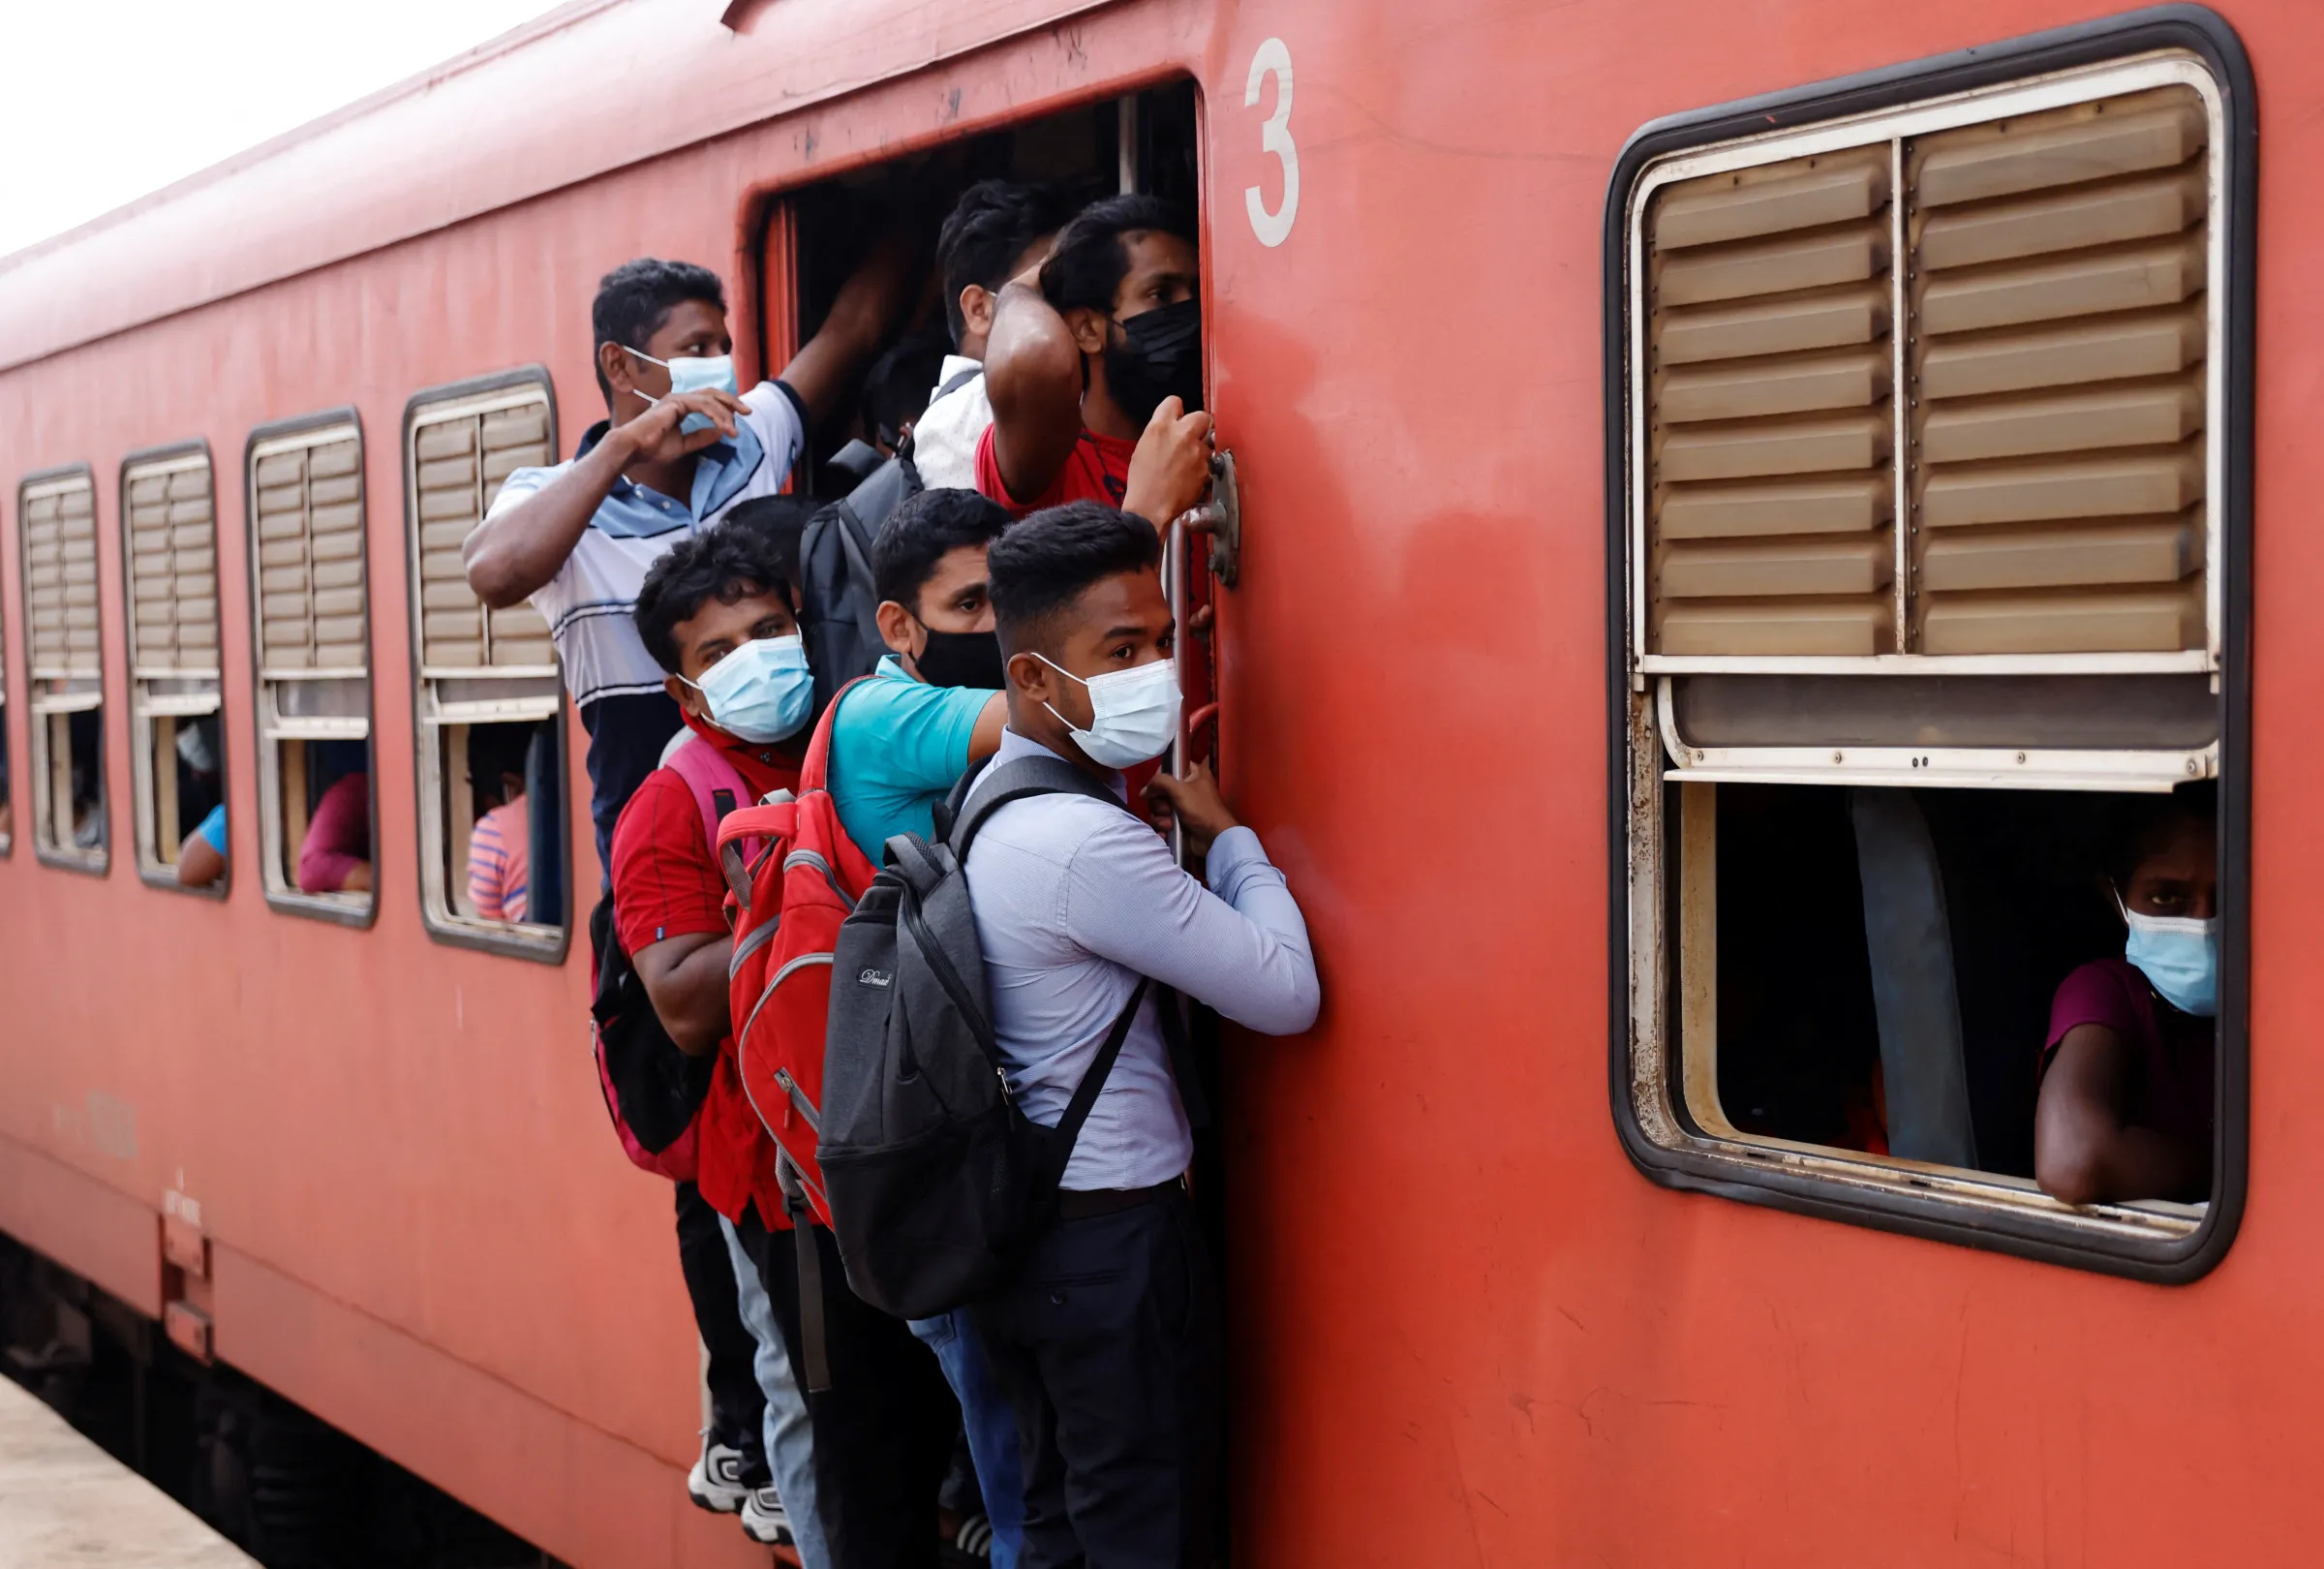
{"points": [[838, 602], [653, 1090], [936, 1182]]}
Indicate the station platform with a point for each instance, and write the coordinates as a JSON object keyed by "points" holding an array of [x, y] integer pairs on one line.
{"points": [[64, 1501]]}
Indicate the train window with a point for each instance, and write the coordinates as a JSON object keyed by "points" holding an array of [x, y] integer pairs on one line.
{"points": [[1930, 509], [178, 754], [490, 729], [58, 514], [812, 239], [309, 605], [8, 810]]}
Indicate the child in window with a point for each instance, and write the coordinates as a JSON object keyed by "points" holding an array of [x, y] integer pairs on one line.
{"points": [[2125, 1104]]}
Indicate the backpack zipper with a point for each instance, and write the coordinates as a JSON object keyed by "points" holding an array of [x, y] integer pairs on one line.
{"points": [[798, 1101]]}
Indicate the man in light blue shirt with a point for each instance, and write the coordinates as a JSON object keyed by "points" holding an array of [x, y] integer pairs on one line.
{"points": [[900, 741], [1106, 1342]]}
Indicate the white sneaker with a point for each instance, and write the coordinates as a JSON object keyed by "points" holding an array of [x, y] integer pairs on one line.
{"points": [[764, 1518], [716, 1482]]}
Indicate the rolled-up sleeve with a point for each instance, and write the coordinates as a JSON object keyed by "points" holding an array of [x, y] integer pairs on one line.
{"points": [[1240, 946]]}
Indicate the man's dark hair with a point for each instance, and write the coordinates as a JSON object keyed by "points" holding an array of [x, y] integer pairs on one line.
{"points": [[922, 531], [897, 386], [636, 298], [725, 564], [1040, 566], [986, 231], [2144, 824], [495, 750], [781, 521], [1090, 260]]}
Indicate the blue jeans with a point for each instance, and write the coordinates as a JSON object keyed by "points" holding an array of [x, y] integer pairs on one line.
{"points": [[991, 1424], [790, 1442]]}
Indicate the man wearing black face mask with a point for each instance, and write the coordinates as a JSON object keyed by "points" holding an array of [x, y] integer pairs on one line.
{"points": [[1093, 372], [903, 736]]}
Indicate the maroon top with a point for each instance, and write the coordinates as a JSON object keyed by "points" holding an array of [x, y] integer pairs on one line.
{"points": [[2171, 1085]]}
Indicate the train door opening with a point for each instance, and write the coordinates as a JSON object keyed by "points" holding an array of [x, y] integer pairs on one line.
{"points": [[177, 754], [1930, 537], [310, 602], [490, 768], [58, 514], [810, 240]]}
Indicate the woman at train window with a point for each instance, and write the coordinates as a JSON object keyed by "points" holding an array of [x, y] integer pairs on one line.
{"points": [[1097, 357], [335, 856], [2125, 1104], [500, 846], [678, 448]]}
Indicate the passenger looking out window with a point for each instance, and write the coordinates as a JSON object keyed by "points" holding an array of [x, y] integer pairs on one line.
{"points": [[716, 617], [1095, 355], [202, 854], [997, 230], [500, 844], [335, 856], [679, 449], [2127, 1087]]}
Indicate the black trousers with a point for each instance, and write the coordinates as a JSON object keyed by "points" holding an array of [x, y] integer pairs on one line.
{"points": [[883, 1430], [1107, 1347], [738, 1409]]}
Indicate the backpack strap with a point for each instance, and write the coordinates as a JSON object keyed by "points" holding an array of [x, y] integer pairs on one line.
{"points": [[718, 785], [1017, 780], [815, 768], [957, 380], [1068, 1130]]}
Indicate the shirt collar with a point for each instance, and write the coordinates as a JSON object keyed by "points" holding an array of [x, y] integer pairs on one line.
{"points": [[1014, 746], [891, 668], [637, 511], [764, 768]]}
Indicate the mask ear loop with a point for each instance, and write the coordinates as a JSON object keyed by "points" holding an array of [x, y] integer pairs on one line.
{"points": [[1070, 676], [2120, 908]]}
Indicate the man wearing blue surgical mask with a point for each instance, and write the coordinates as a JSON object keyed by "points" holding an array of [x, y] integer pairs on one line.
{"points": [[1105, 1343], [2127, 1087], [679, 447]]}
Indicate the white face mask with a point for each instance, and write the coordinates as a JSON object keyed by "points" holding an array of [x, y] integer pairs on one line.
{"points": [[1133, 713]]}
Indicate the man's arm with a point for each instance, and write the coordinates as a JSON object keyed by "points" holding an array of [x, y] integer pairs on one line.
{"points": [[686, 980], [516, 550], [1242, 948], [2083, 1150], [866, 306], [985, 739], [1033, 377]]}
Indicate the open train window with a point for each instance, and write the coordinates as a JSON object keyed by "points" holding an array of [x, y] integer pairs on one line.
{"points": [[1927, 526], [58, 514], [810, 240], [489, 726], [311, 630], [177, 754]]}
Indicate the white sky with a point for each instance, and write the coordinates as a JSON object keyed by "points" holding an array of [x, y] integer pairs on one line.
{"points": [[138, 94]]}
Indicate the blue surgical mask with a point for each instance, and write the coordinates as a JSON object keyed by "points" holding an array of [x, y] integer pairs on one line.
{"points": [[760, 693], [2180, 957], [713, 373], [1133, 713]]}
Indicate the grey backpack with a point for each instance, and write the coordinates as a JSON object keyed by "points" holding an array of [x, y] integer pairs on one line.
{"points": [[936, 1182]]}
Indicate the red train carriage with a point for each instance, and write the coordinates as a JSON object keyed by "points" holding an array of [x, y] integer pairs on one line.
{"points": [[1713, 477]]}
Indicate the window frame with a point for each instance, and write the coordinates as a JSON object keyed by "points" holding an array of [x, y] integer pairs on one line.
{"points": [[15, 763], [266, 738], [96, 863], [144, 787], [1647, 915], [532, 940]]}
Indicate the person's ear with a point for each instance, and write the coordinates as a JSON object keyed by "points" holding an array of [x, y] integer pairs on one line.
{"points": [[895, 627], [1088, 330], [1029, 678], [976, 309], [688, 699], [616, 366]]}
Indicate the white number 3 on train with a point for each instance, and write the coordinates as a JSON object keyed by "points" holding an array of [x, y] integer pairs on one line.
{"points": [[1274, 59]]}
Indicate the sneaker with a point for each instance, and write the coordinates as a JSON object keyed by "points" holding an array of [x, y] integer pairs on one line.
{"points": [[716, 1482], [974, 1538], [764, 1518]]}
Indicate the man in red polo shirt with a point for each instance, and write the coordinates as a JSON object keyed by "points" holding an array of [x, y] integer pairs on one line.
{"points": [[715, 613], [1095, 359]]}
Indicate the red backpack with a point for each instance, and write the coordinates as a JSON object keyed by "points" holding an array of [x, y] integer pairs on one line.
{"points": [[795, 876], [653, 1091]]}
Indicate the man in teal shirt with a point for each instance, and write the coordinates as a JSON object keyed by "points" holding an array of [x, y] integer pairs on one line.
{"points": [[903, 737], [899, 743]]}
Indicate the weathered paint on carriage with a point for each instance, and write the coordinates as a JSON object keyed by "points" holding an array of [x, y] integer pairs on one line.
{"points": [[1465, 1329]]}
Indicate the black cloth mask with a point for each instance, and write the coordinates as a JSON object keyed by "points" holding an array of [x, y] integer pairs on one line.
{"points": [[1159, 356], [963, 660]]}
